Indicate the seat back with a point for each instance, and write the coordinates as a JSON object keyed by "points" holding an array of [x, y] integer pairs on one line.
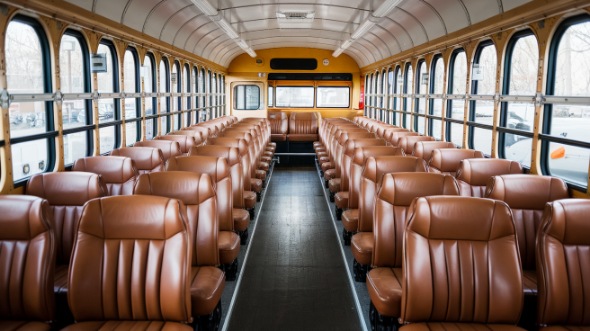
{"points": [[185, 142], [388, 133], [218, 169], [131, 261], [424, 149], [279, 125], [204, 131], [66, 193], [526, 195], [407, 142], [303, 126], [199, 135], [146, 159], [396, 136], [242, 147], [169, 148], [563, 260], [232, 156], [251, 148], [351, 145], [27, 247], [461, 262], [392, 202], [341, 145], [447, 160], [198, 196], [473, 174], [375, 168], [361, 154], [118, 172]]}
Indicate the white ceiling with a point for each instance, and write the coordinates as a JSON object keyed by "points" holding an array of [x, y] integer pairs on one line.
{"points": [[411, 23]]}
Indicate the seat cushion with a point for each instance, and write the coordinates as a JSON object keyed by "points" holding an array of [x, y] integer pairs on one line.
{"points": [[334, 185], [241, 218], [229, 246], [23, 326], [385, 290], [327, 165], [265, 159], [260, 174], [278, 137], [128, 325], [329, 174], [362, 247], [256, 184], [207, 284], [324, 159], [341, 201], [268, 154], [459, 326], [350, 219], [249, 199]]}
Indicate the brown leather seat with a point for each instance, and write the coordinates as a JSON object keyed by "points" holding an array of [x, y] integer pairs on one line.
{"points": [[350, 216], [232, 156], [340, 184], [375, 167], [204, 131], [447, 160], [279, 124], [461, 268], [256, 167], [199, 135], [527, 195], [117, 172], [340, 145], [146, 159], [473, 174], [218, 169], [27, 260], [407, 142], [66, 193], [198, 196], [424, 149], [563, 261], [122, 244], [252, 186], [169, 148], [396, 193], [388, 133], [186, 142], [303, 127], [395, 136]]}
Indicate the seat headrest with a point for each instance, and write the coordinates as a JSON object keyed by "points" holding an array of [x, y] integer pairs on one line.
{"points": [[231, 154], [351, 144], [477, 172], [198, 136], [460, 218], [113, 169], [526, 191], [424, 149], [400, 189], [303, 116], [133, 216], [239, 143], [347, 135], [145, 158], [23, 217], [72, 188], [189, 187], [377, 166], [448, 159], [567, 221], [216, 167], [169, 148], [361, 154], [408, 142]]}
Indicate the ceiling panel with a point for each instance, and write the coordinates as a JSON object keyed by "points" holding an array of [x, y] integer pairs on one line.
{"points": [[412, 23]]}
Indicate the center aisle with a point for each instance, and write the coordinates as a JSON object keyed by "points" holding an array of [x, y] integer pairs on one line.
{"points": [[295, 278]]}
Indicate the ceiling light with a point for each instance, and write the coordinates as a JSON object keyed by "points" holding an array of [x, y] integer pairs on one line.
{"points": [[228, 29], [205, 7], [346, 44], [362, 29], [337, 52], [242, 44], [251, 52]]}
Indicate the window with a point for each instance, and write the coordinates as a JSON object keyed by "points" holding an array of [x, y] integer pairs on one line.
{"points": [[481, 110], [186, 83], [202, 89], [294, 96], [565, 150], [75, 78], [456, 97], [376, 95], [176, 83], [420, 100], [399, 85], [149, 83], [517, 113], [109, 108], [390, 94], [367, 92], [164, 89], [247, 97], [195, 92], [407, 101], [437, 82], [132, 96], [383, 98], [31, 122], [270, 96], [333, 97]]}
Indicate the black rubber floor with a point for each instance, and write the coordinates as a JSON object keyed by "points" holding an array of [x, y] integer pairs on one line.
{"points": [[295, 278]]}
